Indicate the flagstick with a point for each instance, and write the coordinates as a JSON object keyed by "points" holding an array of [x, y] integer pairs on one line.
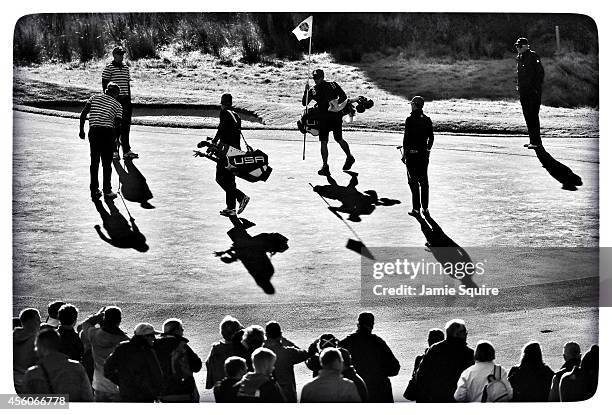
{"points": [[307, 90]]}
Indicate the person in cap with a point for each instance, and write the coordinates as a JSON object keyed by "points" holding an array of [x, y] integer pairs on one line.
{"points": [[372, 358], [134, 367], [229, 133], [118, 72], [178, 363], [328, 95], [418, 141], [530, 76], [104, 127]]}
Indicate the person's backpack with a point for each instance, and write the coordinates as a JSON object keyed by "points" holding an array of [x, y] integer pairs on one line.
{"points": [[495, 390], [179, 362]]}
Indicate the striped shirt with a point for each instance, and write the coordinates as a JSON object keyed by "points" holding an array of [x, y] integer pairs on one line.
{"points": [[104, 110], [119, 74]]}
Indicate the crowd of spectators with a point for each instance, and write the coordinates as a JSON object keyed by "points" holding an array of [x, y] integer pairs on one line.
{"points": [[97, 361]]}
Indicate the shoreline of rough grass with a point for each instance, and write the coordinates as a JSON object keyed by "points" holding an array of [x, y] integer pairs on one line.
{"points": [[273, 91]]}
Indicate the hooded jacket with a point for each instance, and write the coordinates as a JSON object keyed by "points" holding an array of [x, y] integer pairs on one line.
{"points": [[24, 355], [65, 376], [103, 342]]}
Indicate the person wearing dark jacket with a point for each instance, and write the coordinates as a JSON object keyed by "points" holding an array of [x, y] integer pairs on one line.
{"points": [[443, 363], [24, 337], [581, 383], [235, 369], [434, 336], [178, 363], [328, 96], [373, 359], [349, 372], [530, 76], [418, 141], [531, 379], [316, 347], [231, 332], [572, 356], [134, 367], [228, 133], [70, 342], [260, 386]]}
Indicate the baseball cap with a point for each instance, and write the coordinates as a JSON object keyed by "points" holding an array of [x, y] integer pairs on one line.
{"points": [[144, 329], [366, 318], [317, 73], [119, 49], [327, 340], [521, 41], [226, 99], [419, 102]]}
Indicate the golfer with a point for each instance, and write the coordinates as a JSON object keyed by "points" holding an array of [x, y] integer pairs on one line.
{"points": [[104, 129], [418, 140]]}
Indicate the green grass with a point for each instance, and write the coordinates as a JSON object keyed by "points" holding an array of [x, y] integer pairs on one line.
{"points": [[464, 96]]}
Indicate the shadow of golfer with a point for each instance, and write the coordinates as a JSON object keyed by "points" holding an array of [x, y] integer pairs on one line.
{"points": [[444, 249], [253, 252], [134, 185], [558, 170], [121, 233], [354, 203]]}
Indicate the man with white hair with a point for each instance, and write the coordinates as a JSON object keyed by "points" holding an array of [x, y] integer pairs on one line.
{"points": [[443, 363]]}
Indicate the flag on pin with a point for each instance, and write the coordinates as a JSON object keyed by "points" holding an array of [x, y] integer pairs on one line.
{"points": [[304, 29]]}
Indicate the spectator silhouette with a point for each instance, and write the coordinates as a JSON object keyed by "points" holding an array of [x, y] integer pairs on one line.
{"points": [[531, 379], [329, 385], [253, 251], [121, 234], [134, 185], [231, 333], [259, 385], [354, 203], [101, 334], [472, 381], [558, 170], [581, 383], [443, 363], [55, 373], [349, 372], [52, 310], [24, 337], [235, 369], [134, 367], [434, 336], [70, 342], [572, 357], [287, 355], [16, 322], [253, 338], [178, 363], [373, 359], [316, 347]]}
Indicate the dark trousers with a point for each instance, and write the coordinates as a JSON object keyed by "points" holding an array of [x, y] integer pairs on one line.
{"points": [[531, 111], [126, 121], [227, 181], [101, 147], [416, 166]]}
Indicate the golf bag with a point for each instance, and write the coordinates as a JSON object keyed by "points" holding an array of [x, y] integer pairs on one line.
{"points": [[309, 122], [250, 165]]}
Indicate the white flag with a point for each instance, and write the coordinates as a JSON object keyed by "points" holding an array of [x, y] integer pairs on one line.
{"points": [[304, 29]]}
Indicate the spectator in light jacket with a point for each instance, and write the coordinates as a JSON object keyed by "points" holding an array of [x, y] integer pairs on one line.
{"points": [[473, 380], [329, 385]]}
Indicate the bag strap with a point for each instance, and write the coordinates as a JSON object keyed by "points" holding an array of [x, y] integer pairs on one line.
{"points": [[497, 372], [249, 148], [47, 378]]}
